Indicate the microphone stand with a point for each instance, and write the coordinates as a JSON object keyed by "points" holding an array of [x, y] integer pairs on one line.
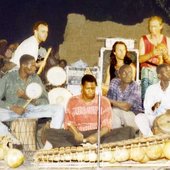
{"points": [[99, 127]]}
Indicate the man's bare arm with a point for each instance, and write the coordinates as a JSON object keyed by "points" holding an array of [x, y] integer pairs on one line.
{"points": [[77, 134]]}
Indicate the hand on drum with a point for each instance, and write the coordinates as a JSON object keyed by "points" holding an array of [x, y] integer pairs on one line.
{"points": [[17, 109], [79, 137], [21, 93]]}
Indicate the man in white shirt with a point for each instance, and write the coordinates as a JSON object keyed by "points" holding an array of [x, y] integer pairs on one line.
{"points": [[30, 45], [156, 102]]}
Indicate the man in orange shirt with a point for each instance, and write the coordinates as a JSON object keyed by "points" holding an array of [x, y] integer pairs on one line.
{"points": [[80, 124]]}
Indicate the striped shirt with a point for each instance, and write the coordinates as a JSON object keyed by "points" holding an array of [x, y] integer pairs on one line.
{"points": [[84, 115]]}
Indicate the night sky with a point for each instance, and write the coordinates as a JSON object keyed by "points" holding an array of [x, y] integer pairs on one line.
{"points": [[18, 16]]}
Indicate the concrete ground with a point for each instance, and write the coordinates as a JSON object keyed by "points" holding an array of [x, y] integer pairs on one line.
{"points": [[29, 165]]}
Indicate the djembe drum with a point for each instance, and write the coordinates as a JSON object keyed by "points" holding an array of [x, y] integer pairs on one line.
{"points": [[161, 124], [25, 131], [58, 95]]}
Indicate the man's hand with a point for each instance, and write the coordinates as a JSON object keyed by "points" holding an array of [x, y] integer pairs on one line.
{"points": [[21, 94], [41, 64], [156, 106], [17, 109], [79, 137], [92, 138]]}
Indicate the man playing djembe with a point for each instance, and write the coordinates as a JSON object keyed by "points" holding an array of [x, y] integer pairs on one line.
{"points": [[81, 117], [13, 97]]}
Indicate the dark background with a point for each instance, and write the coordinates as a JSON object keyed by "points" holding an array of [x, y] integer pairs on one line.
{"points": [[18, 16]]}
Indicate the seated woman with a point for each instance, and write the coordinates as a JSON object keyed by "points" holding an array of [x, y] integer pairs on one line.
{"points": [[118, 57]]}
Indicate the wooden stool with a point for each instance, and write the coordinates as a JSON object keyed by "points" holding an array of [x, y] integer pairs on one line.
{"points": [[24, 130]]}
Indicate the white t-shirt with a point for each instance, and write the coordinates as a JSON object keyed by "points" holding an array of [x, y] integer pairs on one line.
{"points": [[28, 46], [154, 94]]}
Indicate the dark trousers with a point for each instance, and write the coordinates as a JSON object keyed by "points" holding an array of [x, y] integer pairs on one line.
{"points": [[63, 138]]}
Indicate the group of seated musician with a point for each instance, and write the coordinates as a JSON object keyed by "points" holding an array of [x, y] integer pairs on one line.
{"points": [[80, 117], [81, 123], [117, 123], [122, 112]]}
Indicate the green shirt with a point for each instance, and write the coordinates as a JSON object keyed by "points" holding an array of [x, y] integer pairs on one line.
{"points": [[11, 82]]}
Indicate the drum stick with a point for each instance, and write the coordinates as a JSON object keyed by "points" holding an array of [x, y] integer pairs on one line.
{"points": [[27, 103], [44, 62], [39, 72]]}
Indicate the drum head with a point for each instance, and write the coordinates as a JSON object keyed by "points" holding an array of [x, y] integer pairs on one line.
{"points": [[163, 123], [59, 96], [33, 90], [56, 76]]}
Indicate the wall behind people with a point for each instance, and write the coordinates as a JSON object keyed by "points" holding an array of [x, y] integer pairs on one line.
{"points": [[82, 37]]}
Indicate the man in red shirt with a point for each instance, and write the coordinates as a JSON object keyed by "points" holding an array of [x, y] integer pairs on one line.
{"points": [[80, 124]]}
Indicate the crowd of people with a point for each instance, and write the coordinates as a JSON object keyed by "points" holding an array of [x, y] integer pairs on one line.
{"points": [[126, 109]]}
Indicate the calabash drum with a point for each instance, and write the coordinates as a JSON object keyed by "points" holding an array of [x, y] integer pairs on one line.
{"points": [[56, 76], [59, 96], [24, 130], [34, 90], [161, 124]]}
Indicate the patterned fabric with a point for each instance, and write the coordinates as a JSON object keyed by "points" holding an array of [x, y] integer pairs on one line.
{"points": [[11, 82], [131, 94], [84, 115]]}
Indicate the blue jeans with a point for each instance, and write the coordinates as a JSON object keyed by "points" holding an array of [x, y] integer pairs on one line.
{"points": [[55, 112], [148, 77]]}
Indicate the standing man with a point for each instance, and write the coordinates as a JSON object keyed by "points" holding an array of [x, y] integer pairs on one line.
{"points": [[157, 100], [13, 97], [80, 124], [30, 45], [125, 98]]}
